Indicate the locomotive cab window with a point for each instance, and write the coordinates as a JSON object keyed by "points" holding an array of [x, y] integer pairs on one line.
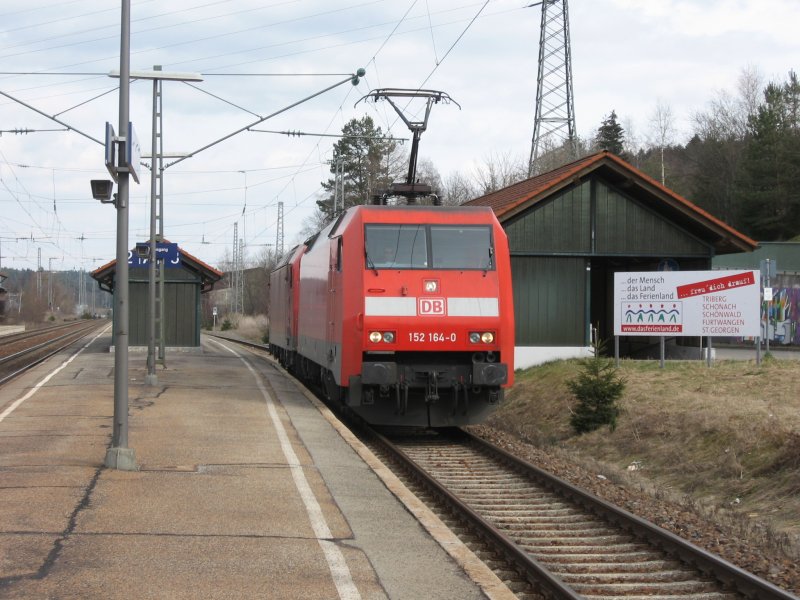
{"points": [[396, 246], [462, 247]]}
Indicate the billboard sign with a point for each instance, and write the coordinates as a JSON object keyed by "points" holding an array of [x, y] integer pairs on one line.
{"points": [[688, 303]]}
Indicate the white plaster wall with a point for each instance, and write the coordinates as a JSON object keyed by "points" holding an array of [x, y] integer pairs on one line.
{"points": [[528, 356]]}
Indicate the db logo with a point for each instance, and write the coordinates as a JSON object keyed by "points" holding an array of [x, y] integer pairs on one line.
{"points": [[431, 306]]}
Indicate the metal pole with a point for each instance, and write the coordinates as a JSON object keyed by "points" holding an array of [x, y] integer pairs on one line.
{"points": [[769, 302], [162, 344], [50, 285], [119, 456], [661, 349], [758, 350], [152, 378], [616, 350], [708, 351]]}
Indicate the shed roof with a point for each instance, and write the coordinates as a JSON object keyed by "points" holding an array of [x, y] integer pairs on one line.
{"points": [[519, 197], [208, 274], [785, 254]]}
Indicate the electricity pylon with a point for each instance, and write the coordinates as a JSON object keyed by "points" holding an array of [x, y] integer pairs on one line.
{"points": [[554, 123]]}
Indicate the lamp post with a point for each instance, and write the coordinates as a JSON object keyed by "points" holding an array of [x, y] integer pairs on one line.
{"points": [[119, 456]]}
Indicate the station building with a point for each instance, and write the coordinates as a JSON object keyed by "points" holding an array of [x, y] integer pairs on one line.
{"points": [[571, 229], [186, 277]]}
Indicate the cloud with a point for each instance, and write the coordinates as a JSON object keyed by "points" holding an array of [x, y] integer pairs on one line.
{"points": [[626, 55]]}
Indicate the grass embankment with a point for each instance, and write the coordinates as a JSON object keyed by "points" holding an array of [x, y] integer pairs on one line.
{"points": [[726, 438]]}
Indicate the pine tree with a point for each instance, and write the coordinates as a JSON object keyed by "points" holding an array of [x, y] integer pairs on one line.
{"points": [[770, 190], [611, 136], [369, 164], [597, 388]]}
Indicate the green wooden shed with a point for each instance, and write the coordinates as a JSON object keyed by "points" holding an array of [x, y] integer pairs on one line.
{"points": [[571, 229], [183, 284]]}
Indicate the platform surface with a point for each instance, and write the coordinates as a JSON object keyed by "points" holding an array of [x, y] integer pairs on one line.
{"points": [[244, 489]]}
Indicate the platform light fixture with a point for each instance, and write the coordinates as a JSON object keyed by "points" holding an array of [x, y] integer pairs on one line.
{"points": [[102, 190], [142, 250]]}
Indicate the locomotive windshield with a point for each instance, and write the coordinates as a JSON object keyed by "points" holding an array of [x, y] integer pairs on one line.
{"points": [[429, 247], [396, 246]]}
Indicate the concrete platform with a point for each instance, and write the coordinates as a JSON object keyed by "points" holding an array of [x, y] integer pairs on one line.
{"points": [[246, 488], [9, 329]]}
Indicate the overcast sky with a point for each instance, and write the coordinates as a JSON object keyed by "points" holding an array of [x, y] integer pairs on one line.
{"points": [[259, 57]]}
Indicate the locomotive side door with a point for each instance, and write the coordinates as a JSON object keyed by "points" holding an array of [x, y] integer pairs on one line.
{"points": [[334, 331], [289, 319]]}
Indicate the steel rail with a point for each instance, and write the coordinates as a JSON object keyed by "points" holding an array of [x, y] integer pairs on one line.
{"points": [[76, 335], [533, 571], [23, 335], [725, 572], [247, 343], [30, 350]]}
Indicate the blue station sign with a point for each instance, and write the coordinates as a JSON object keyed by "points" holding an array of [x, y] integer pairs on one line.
{"points": [[166, 252]]}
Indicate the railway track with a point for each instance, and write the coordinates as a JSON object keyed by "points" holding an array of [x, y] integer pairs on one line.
{"points": [[548, 538], [25, 337], [22, 351], [565, 542]]}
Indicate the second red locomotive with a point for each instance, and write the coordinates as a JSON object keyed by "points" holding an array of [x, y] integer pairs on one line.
{"points": [[402, 313]]}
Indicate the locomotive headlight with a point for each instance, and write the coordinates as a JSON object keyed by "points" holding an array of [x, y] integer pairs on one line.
{"points": [[381, 336], [431, 286], [487, 337]]}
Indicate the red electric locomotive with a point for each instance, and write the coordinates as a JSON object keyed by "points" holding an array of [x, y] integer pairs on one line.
{"points": [[404, 314], [284, 294]]}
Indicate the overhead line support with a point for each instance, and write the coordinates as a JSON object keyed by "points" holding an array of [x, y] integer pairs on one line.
{"points": [[44, 114], [354, 79]]}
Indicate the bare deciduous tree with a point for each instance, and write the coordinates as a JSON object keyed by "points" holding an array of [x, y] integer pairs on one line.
{"points": [[552, 157], [499, 171], [721, 135], [662, 131], [428, 173], [457, 189]]}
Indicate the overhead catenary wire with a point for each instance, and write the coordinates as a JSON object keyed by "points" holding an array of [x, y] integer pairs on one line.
{"points": [[206, 38], [25, 130], [297, 133], [105, 27], [260, 120], [291, 181], [443, 57], [220, 98]]}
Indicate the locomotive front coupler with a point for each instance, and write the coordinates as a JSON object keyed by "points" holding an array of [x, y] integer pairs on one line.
{"points": [[459, 387], [432, 387], [401, 391]]}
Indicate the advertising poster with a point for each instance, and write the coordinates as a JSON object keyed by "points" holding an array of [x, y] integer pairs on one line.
{"points": [[687, 303]]}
